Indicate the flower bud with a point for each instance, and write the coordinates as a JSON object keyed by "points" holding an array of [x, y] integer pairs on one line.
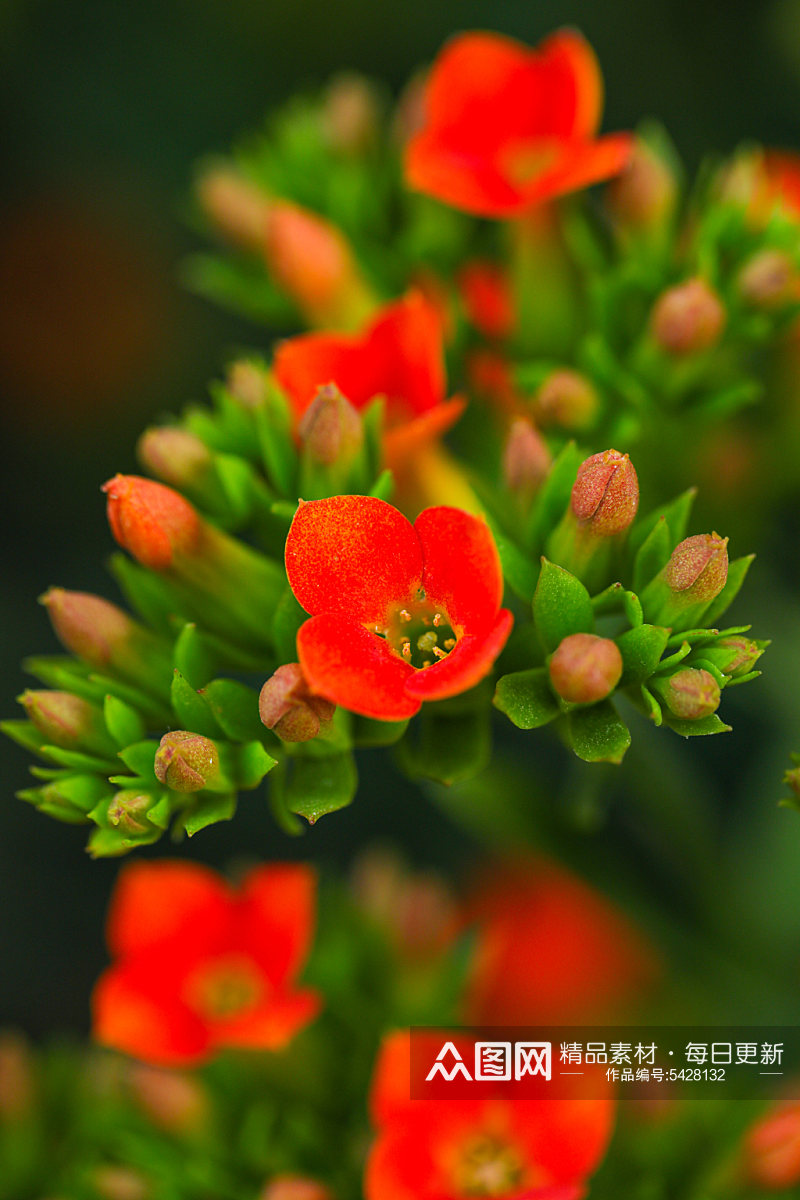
{"points": [[767, 280], [698, 568], [792, 777], [247, 382], [310, 259], [350, 114], [295, 1187], [290, 709], [415, 909], [689, 694], [16, 1077], [128, 810], [151, 521], [68, 721], [174, 455], [643, 196], [688, 318], [734, 655], [120, 1183], [186, 762], [104, 636], [585, 668], [526, 459], [174, 1101], [605, 495], [331, 430], [238, 208], [771, 1149], [568, 399]]}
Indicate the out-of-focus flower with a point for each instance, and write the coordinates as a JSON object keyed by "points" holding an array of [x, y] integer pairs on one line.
{"points": [[175, 1101], [486, 295], [416, 909], [566, 398], [295, 1187], [17, 1088], [643, 197], [400, 613], [200, 966], [507, 127], [350, 114], [399, 356], [502, 1143], [771, 1149], [688, 318], [526, 460], [591, 964]]}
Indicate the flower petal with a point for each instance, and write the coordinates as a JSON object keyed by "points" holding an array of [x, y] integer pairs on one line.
{"points": [[272, 1025], [166, 902], [471, 659], [276, 916], [461, 566], [304, 364], [579, 165], [355, 668], [570, 76], [130, 1013], [404, 440], [353, 555], [468, 181]]}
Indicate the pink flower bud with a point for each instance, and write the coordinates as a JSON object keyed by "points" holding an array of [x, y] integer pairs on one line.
{"points": [[735, 655], [239, 209], [690, 694], [89, 626], [526, 459], [151, 521], [698, 568], [186, 762], [295, 1187], [350, 114], [174, 455], [290, 709], [585, 668], [605, 496], [331, 430], [67, 720], [247, 382], [643, 195], [174, 1101], [120, 1183], [128, 810], [568, 399], [767, 280], [688, 318]]}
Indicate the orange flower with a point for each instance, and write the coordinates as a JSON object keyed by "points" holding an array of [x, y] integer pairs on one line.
{"points": [[502, 1143], [772, 1148], [200, 966], [400, 613], [398, 355], [551, 949], [508, 127]]}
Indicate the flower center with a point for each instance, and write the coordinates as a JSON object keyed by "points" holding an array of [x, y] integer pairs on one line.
{"points": [[489, 1166], [226, 988], [420, 633]]}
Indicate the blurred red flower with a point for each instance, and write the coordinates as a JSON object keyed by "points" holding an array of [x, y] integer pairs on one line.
{"points": [[200, 966], [503, 1143], [400, 613], [487, 298], [772, 1148], [508, 127], [551, 949], [398, 355]]}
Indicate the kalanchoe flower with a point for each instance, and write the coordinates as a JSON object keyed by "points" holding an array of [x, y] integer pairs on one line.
{"points": [[248, 383], [290, 709], [688, 319], [585, 668], [200, 966], [399, 355], [153, 522], [186, 762], [399, 613], [507, 127], [690, 694], [499, 1141], [694, 576], [17, 1084], [526, 460], [566, 398], [67, 720]]}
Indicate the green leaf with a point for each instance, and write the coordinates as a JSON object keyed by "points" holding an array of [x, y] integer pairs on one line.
{"points": [[146, 592], [287, 619], [705, 725], [77, 761], [123, 722], [597, 734], [207, 809], [235, 707], [652, 555], [526, 698], [737, 572], [313, 787], [676, 513], [366, 732], [194, 657], [651, 706], [561, 606], [445, 746], [519, 570], [246, 765], [24, 733], [641, 649], [554, 497], [274, 428], [383, 487], [193, 710], [615, 598], [140, 758], [236, 482]]}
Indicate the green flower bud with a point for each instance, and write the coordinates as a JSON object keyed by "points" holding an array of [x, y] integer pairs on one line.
{"points": [[689, 694], [734, 656], [688, 319], [585, 668], [186, 762], [290, 709], [567, 399], [68, 721], [128, 810]]}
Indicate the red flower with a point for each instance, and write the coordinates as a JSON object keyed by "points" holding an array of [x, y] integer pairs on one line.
{"points": [[201, 966], [591, 964], [400, 613], [502, 1143], [399, 355], [508, 127], [487, 298]]}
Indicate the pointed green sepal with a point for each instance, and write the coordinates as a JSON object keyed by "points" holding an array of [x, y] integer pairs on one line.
{"points": [[193, 709], [123, 722], [641, 649], [561, 606], [527, 698], [597, 734]]}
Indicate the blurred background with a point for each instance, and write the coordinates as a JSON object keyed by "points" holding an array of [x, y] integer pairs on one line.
{"points": [[105, 107]]}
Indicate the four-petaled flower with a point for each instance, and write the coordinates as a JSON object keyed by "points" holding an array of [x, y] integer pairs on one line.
{"points": [[398, 355], [201, 966], [507, 127], [400, 613], [498, 1141]]}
